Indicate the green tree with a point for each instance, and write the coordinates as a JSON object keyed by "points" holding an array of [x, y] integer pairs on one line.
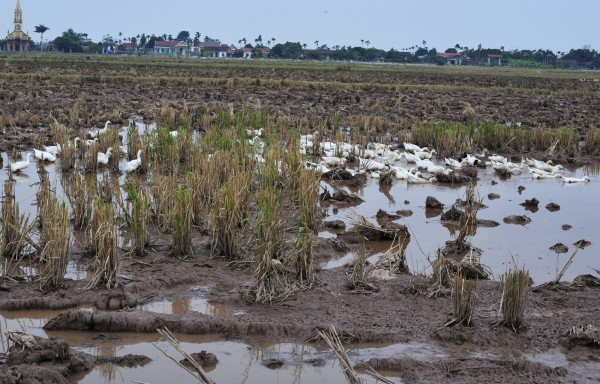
{"points": [[41, 29], [70, 41], [185, 37], [107, 42]]}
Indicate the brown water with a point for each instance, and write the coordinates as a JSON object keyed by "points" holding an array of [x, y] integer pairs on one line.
{"points": [[196, 299]]}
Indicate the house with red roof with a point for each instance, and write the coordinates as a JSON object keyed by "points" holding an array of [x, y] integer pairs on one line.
{"points": [[248, 53], [454, 58], [214, 49], [171, 48]]}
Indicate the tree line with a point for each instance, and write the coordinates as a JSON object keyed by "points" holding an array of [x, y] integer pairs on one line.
{"points": [[585, 57]]}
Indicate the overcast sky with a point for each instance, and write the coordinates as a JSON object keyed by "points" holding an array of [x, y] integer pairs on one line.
{"points": [[514, 24]]}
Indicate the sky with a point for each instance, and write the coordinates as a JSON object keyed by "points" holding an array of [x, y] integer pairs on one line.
{"points": [[558, 25]]}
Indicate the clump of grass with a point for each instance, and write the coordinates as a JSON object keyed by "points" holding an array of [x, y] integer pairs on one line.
{"points": [[80, 193], [361, 272], [134, 141], [90, 158], [161, 189], [592, 142], [167, 115], [164, 150], [182, 224], [55, 245], [43, 195], [515, 293], [468, 220], [104, 242], [227, 216], [441, 276], [138, 216], [74, 115], [307, 195], [464, 301], [16, 229], [270, 281]]}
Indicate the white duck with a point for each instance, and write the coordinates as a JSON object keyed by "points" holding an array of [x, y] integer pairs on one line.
{"points": [[53, 149], [400, 173], [545, 166], [469, 160], [544, 175], [94, 134], [410, 158], [103, 158], [371, 165], [571, 180], [418, 179], [506, 167], [452, 163], [134, 164], [333, 161], [43, 156], [255, 132], [88, 143], [316, 167], [20, 165], [425, 155], [414, 148]]}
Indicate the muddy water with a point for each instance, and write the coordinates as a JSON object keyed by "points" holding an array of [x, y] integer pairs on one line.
{"points": [[196, 299], [506, 245], [238, 362]]}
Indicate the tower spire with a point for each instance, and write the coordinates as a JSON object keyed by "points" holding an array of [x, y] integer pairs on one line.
{"points": [[18, 16]]}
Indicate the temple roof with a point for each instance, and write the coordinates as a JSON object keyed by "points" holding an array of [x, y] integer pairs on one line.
{"points": [[18, 35]]}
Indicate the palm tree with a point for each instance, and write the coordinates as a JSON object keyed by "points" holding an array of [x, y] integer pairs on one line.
{"points": [[362, 41], [41, 29], [317, 43]]}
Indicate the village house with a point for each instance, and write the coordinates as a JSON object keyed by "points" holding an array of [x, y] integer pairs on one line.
{"points": [[494, 59], [170, 48], [130, 47], [248, 53], [454, 58], [215, 49]]}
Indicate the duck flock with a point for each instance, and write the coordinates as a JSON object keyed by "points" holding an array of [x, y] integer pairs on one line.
{"points": [[51, 153], [408, 162], [416, 165]]}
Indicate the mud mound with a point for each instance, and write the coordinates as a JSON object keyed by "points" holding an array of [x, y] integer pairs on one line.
{"points": [[30, 374], [468, 370]]}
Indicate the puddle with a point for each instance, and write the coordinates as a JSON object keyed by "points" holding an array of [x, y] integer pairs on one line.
{"points": [[240, 362], [553, 358], [503, 246], [194, 300], [349, 257]]}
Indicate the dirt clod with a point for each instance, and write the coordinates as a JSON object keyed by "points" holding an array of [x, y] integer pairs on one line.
{"points": [[517, 219], [553, 207], [433, 203]]}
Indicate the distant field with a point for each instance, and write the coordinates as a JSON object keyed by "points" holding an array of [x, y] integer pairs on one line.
{"points": [[400, 96]]}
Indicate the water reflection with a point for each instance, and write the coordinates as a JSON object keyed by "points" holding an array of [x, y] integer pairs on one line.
{"points": [[502, 243]]}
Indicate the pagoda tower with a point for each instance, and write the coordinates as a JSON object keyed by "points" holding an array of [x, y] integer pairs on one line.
{"points": [[17, 40]]}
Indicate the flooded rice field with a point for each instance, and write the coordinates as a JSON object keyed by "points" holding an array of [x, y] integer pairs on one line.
{"points": [[504, 246], [564, 216]]}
